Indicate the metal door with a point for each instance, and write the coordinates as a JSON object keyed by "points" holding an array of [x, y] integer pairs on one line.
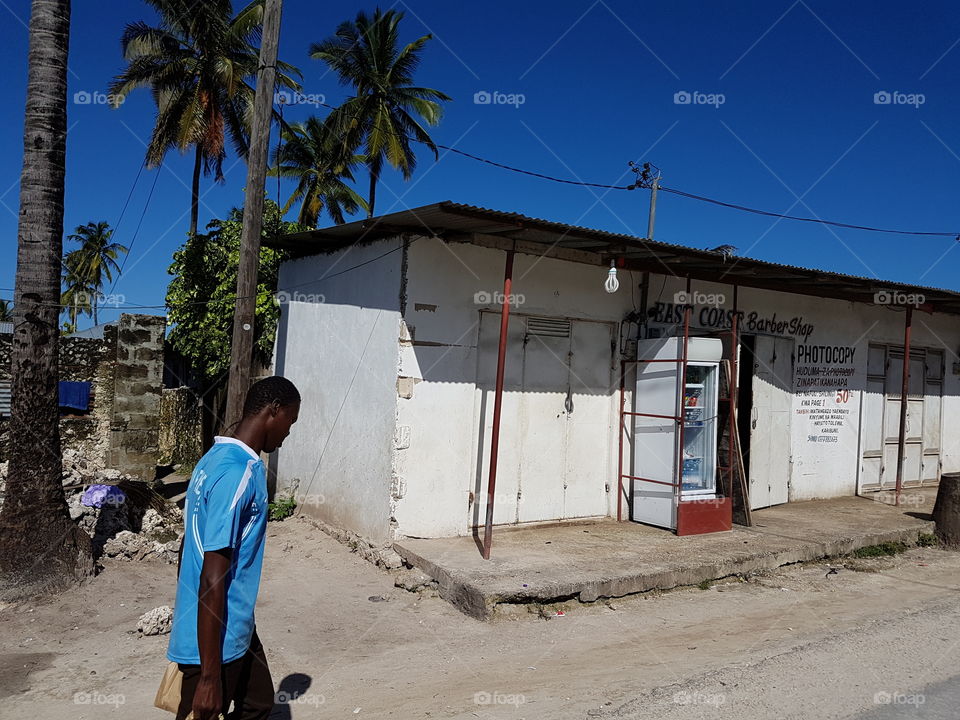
{"points": [[555, 420], [881, 418], [589, 413], [770, 441]]}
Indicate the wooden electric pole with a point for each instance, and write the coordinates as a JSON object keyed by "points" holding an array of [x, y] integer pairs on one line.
{"points": [[241, 350]]}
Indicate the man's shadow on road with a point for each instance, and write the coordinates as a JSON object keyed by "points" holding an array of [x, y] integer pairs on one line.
{"points": [[293, 691]]}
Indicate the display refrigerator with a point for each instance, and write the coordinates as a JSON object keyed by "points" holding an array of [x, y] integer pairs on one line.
{"points": [[674, 467]]}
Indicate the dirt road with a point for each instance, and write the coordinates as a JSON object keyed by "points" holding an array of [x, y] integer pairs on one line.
{"points": [[800, 643]]}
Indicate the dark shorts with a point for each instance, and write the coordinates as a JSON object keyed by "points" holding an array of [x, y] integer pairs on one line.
{"points": [[245, 681]]}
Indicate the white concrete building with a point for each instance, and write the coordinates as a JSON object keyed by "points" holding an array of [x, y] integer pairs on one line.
{"points": [[391, 327]]}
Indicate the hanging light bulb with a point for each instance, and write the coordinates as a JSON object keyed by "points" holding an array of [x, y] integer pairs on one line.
{"points": [[612, 284]]}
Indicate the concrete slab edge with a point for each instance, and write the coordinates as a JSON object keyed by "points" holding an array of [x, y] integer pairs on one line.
{"points": [[464, 593]]}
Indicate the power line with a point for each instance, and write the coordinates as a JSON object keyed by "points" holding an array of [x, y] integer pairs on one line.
{"points": [[263, 293], [136, 232], [641, 183], [804, 219]]}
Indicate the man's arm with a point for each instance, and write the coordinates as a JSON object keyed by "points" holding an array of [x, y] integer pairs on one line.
{"points": [[207, 701]]}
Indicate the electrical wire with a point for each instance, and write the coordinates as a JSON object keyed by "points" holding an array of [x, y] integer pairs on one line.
{"points": [[136, 232], [766, 213], [645, 184]]}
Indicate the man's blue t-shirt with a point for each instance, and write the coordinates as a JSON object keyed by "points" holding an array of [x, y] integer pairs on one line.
{"points": [[226, 507]]}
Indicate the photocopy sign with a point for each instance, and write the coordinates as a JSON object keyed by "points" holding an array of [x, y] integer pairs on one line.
{"points": [[824, 400]]}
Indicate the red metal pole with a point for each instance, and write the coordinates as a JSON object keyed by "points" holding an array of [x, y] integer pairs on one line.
{"points": [[732, 390], [497, 403], [623, 366], [905, 388], [678, 489]]}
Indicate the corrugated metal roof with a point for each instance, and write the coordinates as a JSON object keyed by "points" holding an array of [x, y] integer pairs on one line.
{"points": [[469, 223], [6, 328]]}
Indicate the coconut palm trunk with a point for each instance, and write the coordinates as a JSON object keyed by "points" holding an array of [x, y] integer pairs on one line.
{"points": [[41, 549], [195, 190], [372, 199]]}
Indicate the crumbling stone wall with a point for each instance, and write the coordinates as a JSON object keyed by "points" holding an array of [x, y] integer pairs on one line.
{"points": [[125, 369], [137, 383], [181, 436], [82, 360]]}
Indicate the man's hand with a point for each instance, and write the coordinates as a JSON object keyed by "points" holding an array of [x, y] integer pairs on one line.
{"points": [[207, 701]]}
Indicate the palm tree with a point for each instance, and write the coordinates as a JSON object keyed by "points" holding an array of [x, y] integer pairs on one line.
{"points": [[313, 153], [382, 115], [198, 64], [41, 549], [78, 294], [94, 261], [6, 311]]}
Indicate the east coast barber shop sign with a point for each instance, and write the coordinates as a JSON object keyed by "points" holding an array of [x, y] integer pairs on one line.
{"points": [[722, 319]]}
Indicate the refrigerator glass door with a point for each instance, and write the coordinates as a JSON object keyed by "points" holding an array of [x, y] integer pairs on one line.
{"points": [[699, 431]]}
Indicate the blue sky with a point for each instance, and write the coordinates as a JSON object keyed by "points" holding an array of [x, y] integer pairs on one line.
{"points": [[798, 130]]}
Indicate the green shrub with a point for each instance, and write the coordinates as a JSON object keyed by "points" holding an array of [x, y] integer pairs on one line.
{"points": [[282, 508]]}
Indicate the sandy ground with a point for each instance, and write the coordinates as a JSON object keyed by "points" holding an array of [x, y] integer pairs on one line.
{"points": [[795, 643]]}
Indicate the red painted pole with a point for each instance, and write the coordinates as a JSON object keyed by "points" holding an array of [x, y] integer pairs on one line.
{"points": [[732, 390], [905, 388], [623, 367], [678, 489], [497, 404]]}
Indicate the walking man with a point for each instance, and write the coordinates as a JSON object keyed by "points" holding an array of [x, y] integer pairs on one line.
{"points": [[214, 638]]}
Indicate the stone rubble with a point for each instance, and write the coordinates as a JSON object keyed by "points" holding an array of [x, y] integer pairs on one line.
{"points": [[118, 531], [156, 622]]}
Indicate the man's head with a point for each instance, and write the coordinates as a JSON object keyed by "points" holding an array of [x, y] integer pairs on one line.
{"points": [[272, 404]]}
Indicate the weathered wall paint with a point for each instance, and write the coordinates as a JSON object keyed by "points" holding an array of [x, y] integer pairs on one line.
{"points": [[417, 413], [338, 342]]}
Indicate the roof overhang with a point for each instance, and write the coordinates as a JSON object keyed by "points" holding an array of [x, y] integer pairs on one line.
{"points": [[454, 222]]}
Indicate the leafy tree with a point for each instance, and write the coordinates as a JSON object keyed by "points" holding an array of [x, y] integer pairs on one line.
{"points": [[314, 155], [41, 548], [199, 64], [86, 268], [202, 295], [382, 115], [6, 311]]}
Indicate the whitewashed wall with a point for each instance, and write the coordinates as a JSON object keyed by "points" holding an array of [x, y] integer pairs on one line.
{"points": [[822, 469], [337, 342], [440, 465], [407, 450]]}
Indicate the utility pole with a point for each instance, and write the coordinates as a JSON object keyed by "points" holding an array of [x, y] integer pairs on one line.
{"points": [[654, 184], [241, 350]]}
